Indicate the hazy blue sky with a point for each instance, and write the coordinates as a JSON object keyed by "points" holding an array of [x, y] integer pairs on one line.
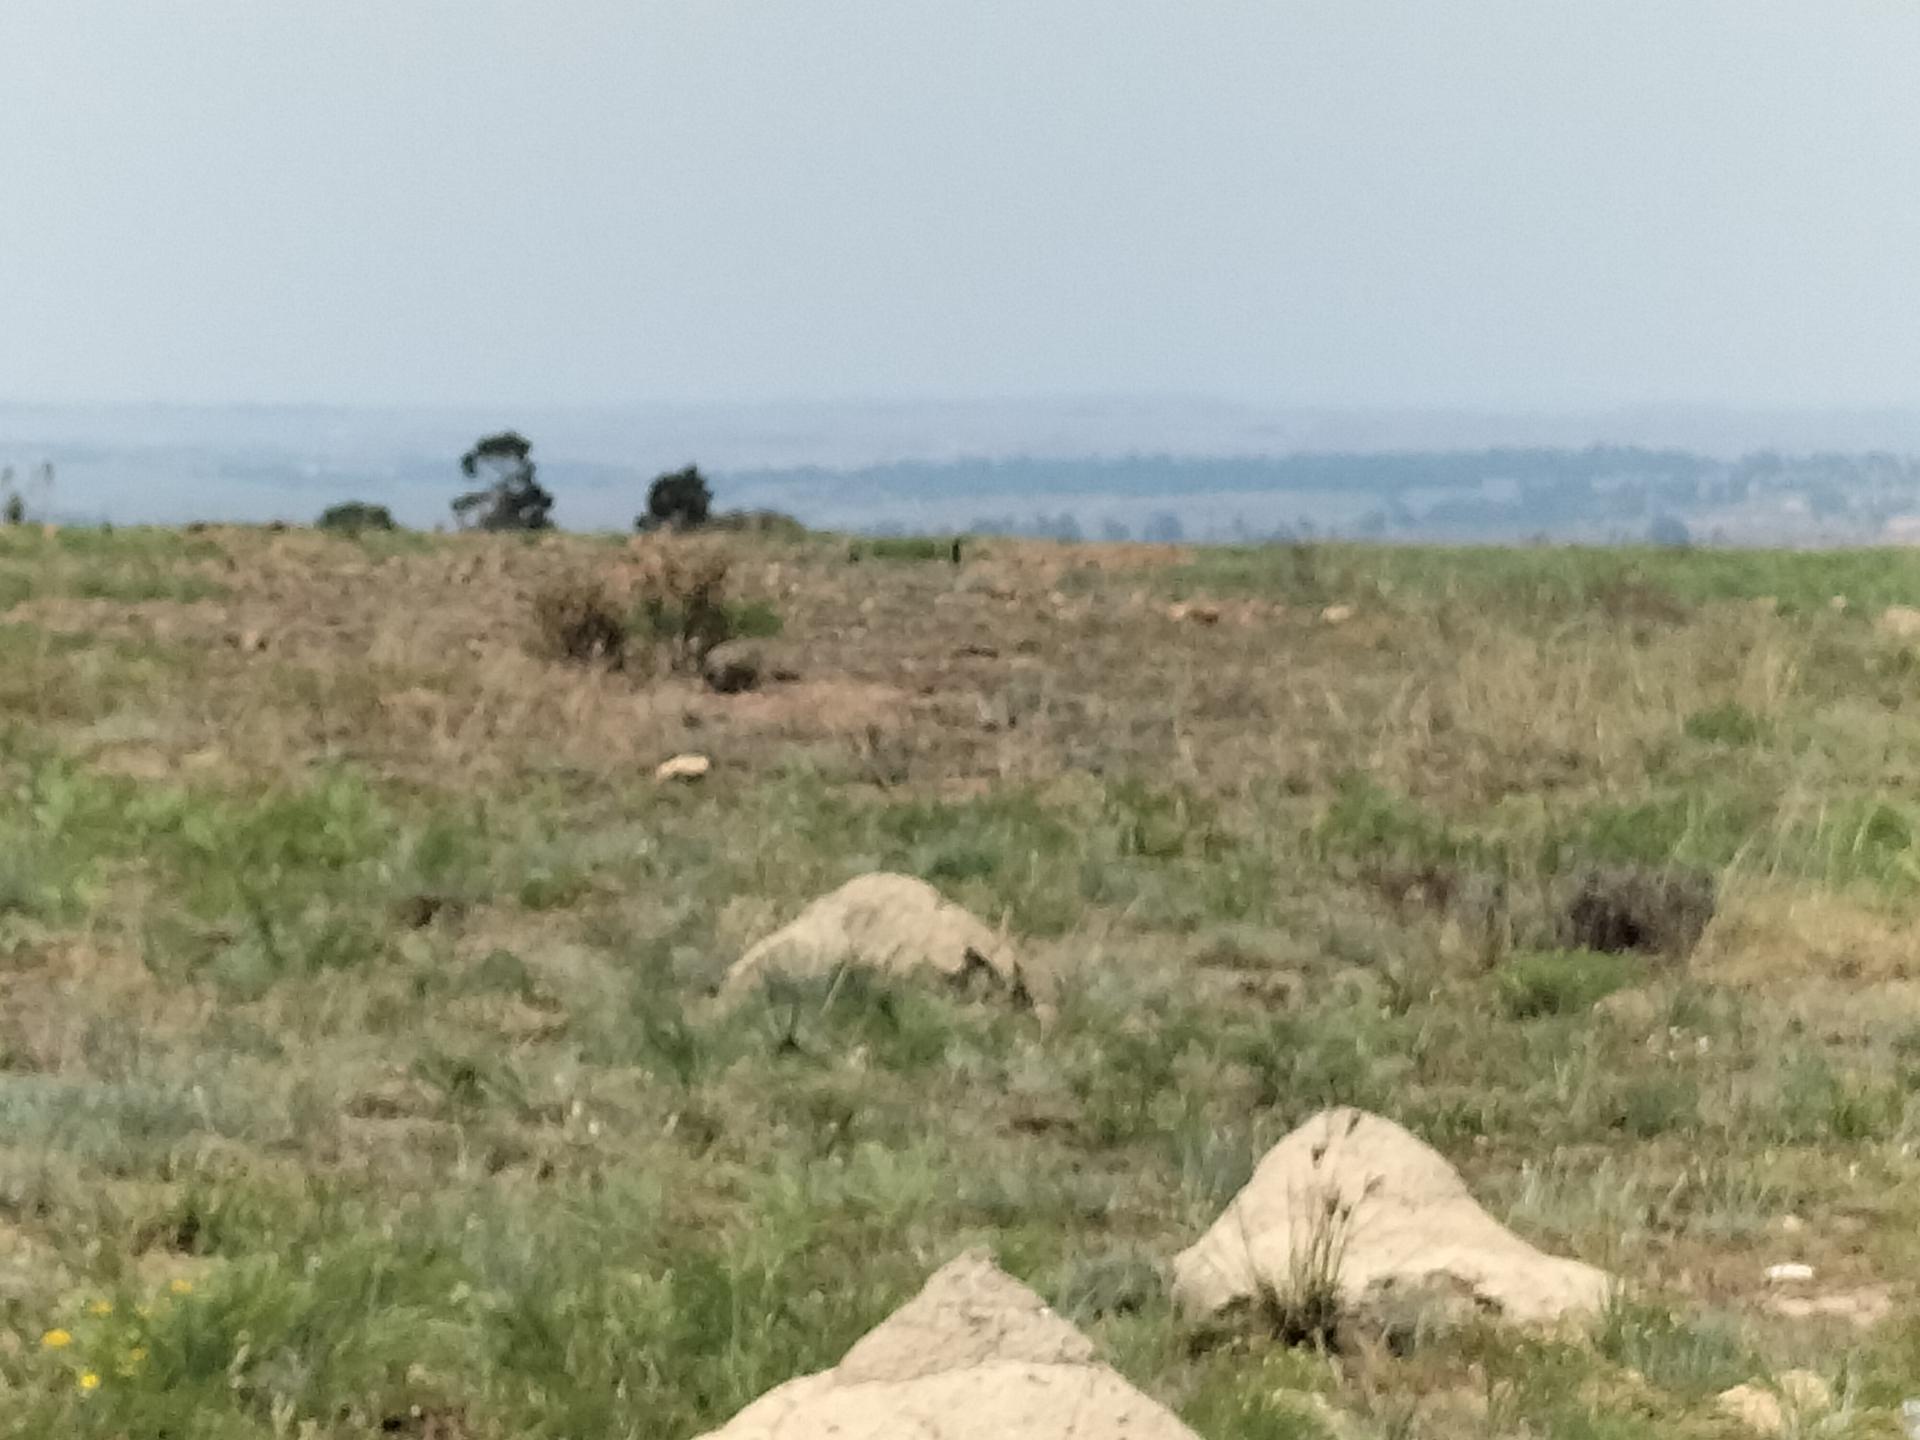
{"points": [[436, 201]]}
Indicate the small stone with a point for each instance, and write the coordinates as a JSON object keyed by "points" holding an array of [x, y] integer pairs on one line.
{"points": [[687, 768], [1337, 614], [1199, 612], [1789, 1273]]}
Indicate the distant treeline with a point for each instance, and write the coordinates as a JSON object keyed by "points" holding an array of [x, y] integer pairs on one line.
{"points": [[1620, 492], [1561, 472]]}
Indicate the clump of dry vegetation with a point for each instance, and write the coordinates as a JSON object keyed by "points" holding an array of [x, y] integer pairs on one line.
{"points": [[578, 618], [681, 595], [358, 1067]]}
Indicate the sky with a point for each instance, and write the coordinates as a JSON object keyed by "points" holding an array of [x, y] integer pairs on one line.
{"points": [[601, 202]]}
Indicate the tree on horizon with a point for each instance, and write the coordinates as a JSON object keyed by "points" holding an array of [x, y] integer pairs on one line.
{"points": [[511, 497]]}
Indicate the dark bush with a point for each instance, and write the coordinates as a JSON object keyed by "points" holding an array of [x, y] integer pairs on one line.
{"points": [[354, 517], [678, 500], [1655, 909]]}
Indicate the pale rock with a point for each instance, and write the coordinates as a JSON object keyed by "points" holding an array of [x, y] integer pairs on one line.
{"points": [[1407, 1223], [1198, 612], [975, 1356], [1900, 621], [894, 924], [1796, 1394], [684, 768]]}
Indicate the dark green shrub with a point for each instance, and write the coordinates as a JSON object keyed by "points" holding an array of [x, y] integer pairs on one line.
{"points": [[1656, 909], [678, 500], [354, 517]]}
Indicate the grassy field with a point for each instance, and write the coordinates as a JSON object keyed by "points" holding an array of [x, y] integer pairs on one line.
{"points": [[358, 1074]]}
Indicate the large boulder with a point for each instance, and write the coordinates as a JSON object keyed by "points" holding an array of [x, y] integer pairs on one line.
{"points": [[894, 924], [1404, 1220], [975, 1356]]}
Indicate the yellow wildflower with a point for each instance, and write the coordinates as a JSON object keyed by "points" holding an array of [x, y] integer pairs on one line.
{"points": [[181, 1287], [89, 1381], [145, 1312], [101, 1308], [56, 1339]]}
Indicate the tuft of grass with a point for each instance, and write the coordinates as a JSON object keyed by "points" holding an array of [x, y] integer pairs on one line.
{"points": [[1561, 982], [1728, 723], [1695, 1358], [1310, 1308]]}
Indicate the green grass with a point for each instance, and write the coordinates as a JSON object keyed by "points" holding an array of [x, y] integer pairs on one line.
{"points": [[1624, 582], [123, 566], [1562, 982]]}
